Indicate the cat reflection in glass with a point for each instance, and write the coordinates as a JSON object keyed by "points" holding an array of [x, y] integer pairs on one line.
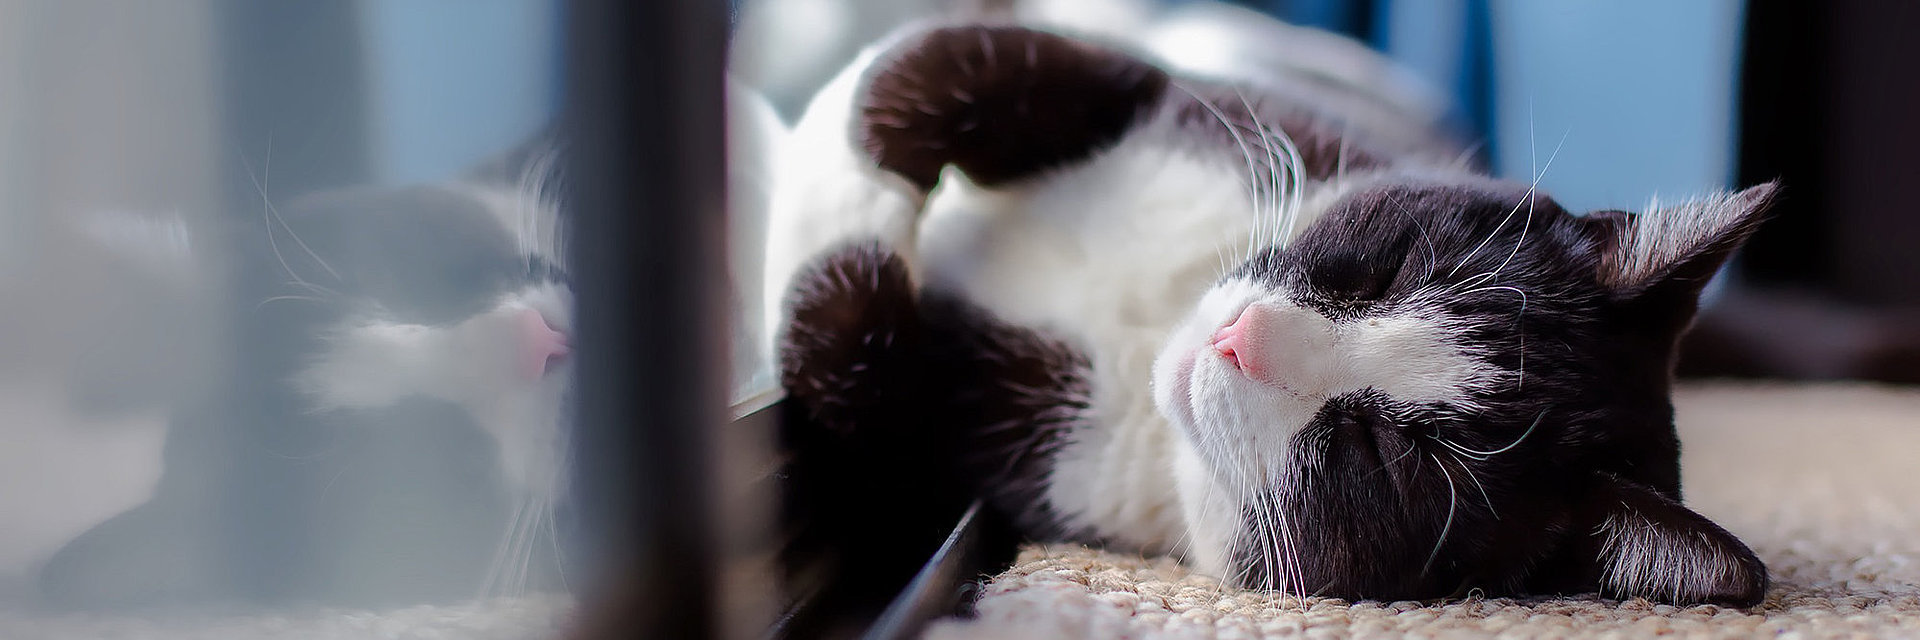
{"points": [[390, 429]]}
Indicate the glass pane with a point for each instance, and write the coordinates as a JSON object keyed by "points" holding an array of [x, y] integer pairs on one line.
{"points": [[284, 319]]}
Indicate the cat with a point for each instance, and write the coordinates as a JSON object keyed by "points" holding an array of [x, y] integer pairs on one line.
{"points": [[1304, 347], [392, 426]]}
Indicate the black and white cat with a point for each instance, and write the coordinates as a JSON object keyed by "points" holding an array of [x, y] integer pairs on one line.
{"points": [[1295, 342]]}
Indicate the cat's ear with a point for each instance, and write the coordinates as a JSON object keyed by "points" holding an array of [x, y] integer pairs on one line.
{"points": [[1658, 261], [1651, 546]]}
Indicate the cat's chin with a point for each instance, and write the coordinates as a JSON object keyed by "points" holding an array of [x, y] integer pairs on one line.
{"points": [[1238, 427], [1179, 364]]}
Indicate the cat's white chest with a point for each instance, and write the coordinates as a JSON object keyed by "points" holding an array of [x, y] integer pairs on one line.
{"points": [[1106, 256]]}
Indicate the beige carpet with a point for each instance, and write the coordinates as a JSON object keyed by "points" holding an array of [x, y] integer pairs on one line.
{"points": [[1822, 481]]}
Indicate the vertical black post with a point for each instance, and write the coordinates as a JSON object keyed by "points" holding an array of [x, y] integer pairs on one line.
{"points": [[645, 114]]}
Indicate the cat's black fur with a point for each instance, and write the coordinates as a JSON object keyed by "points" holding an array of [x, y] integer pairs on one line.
{"points": [[906, 399], [927, 391], [1589, 418]]}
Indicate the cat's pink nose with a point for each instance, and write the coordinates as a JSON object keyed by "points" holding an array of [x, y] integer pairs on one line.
{"points": [[540, 345], [1238, 341]]}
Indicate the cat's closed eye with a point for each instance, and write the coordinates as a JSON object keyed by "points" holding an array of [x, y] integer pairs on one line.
{"points": [[1350, 282]]}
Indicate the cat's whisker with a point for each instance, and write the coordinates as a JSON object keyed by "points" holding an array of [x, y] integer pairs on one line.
{"points": [[1476, 483], [1516, 441], [1528, 198], [490, 586], [1293, 563], [1476, 280], [1525, 199], [528, 544], [1499, 287], [1525, 226], [553, 544], [1453, 500], [273, 218], [1269, 543], [524, 554], [1235, 544], [1285, 186], [1261, 191], [1457, 448], [1491, 234], [1253, 179], [1276, 183], [1395, 460], [1433, 254], [264, 303], [1288, 194], [1271, 213], [1279, 577], [1297, 197], [312, 288], [526, 531], [335, 479]]}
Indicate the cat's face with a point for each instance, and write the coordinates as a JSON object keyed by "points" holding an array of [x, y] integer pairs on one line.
{"points": [[1426, 390], [450, 293]]}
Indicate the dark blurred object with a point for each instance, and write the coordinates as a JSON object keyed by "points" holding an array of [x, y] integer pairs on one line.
{"points": [[874, 542], [942, 587], [865, 604], [644, 120], [1803, 335], [1830, 287]]}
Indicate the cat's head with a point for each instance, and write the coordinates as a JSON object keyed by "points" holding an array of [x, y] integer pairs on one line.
{"points": [[451, 293], [1451, 383]]}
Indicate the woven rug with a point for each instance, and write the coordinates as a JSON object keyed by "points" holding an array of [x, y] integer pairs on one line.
{"points": [[1822, 481]]}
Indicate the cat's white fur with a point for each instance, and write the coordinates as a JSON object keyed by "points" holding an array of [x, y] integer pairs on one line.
{"points": [[1113, 256], [372, 362], [1237, 425], [826, 191], [1133, 263]]}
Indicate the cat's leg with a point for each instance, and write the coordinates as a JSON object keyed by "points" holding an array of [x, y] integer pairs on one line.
{"points": [[902, 407], [889, 395], [858, 504], [998, 103], [865, 495], [850, 350]]}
